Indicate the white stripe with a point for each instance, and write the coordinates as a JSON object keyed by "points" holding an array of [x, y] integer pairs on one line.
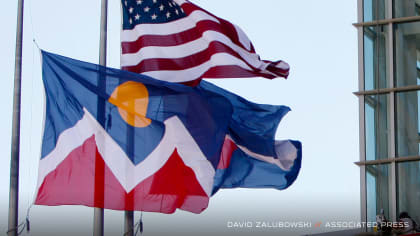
{"points": [[188, 49], [286, 154], [172, 27], [283, 65], [241, 34], [243, 38], [180, 2], [176, 76], [128, 174]]}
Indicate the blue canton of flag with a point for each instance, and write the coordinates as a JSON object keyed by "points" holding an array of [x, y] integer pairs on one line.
{"points": [[150, 11]]}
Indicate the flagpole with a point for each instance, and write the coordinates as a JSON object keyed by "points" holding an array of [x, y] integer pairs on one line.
{"points": [[129, 215], [98, 218], [14, 160], [129, 223]]}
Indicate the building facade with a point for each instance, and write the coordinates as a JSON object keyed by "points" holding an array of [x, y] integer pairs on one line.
{"points": [[389, 107]]}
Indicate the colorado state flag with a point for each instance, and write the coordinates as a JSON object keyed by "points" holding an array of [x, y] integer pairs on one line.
{"points": [[119, 140]]}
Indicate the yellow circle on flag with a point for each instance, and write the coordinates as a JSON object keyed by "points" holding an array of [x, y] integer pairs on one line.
{"points": [[132, 99]]}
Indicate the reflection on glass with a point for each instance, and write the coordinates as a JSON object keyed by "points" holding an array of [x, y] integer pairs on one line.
{"points": [[375, 57], [377, 191], [407, 53], [409, 189], [404, 8], [407, 123], [373, 10], [376, 127]]}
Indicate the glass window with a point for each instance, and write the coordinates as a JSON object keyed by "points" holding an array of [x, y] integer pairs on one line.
{"points": [[407, 54], [373, 10], [409, 189], [375, 38], [376, 125], [404, 8], [377, 191], [407, 123]]}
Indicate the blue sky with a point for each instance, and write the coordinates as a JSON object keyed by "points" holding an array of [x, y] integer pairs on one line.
{"points": [[315, 37]]}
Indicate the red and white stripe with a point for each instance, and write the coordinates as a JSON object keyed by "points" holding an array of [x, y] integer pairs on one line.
{"points": [[197, 46]]}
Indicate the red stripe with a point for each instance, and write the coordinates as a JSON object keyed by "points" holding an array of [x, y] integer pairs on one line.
{"points": [[73, 182], [276, 70], [228, 148], [99, 171], [157, 64], [228, 28], [172, 39], [189, 8], [226, 72], [233, 72], [192, 83]]}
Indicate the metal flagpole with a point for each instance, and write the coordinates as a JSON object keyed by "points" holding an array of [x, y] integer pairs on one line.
{"points": [[129, 223], [129, 215], [14, 160], [98, 224]]}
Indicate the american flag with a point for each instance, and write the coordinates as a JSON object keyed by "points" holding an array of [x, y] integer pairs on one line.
{"points": [[177, 41]]}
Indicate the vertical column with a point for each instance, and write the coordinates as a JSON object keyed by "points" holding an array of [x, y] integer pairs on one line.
{"points": [[98, 218], [363, 207], [129, 223], [14, 160], [103, 33], [129, 215], [391, 115]]}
